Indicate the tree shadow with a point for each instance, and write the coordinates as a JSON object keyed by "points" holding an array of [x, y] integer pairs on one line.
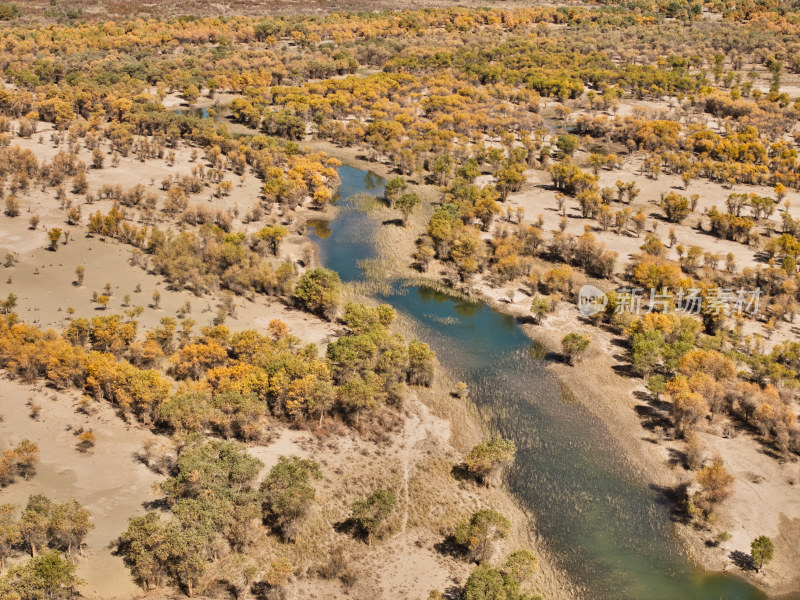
{"points": [[625, 369], [761, 257], [652, 412], [620, 342], [452, 593], [264, 591], [676, 499], [460, 472], [676, 457], [449, 547], [352, 528], [744, 561], [157, 504], [527, 320]]}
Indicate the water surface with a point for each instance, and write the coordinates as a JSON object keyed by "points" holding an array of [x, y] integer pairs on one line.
{"points": [[604, 525]]}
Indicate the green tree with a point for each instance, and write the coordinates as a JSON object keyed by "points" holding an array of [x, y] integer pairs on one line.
{"points": [[141, 547], [287, 493], [485, 583], [372, 512], [406, 205], [574, 345], [567, 144], [395, 188], [488, 457], [46, 577], [9, 304], [9, 532], [761, 551], [520, 566], [68, 526], [186, 557], [421, 363], [540, 307], [34, 522], [646, 351], [479, 534], [220, 467], [319, 291]]}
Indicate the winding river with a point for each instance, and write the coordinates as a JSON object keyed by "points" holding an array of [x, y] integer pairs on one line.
{"points": [[607, 528]]}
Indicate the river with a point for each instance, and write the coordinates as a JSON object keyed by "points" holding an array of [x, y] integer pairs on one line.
{"points": [[603, 525]]}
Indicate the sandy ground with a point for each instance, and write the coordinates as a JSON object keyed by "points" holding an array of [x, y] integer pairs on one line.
{"points": [[44, 283], [44, 280], [406, 566], [109, 481], [765, 501], [770, 507], [538, 198]]}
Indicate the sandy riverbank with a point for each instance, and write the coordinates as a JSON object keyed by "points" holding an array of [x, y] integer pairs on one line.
{"points": [[413, 454], [764, 499]]}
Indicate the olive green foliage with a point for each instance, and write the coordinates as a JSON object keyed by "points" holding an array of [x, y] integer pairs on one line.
{"points": [[761, 551], [212, 498], [422, 363], [58, 526], [394, 189], [319, 291], [574, 345], [371, 365], [481, 531], [488, 457], [46, 577], [8, 11], [406, 205], [288, 494], [371, 513], [506, 583], [216, 467]]}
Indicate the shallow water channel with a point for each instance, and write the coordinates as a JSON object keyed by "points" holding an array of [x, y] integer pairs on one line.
{"points": [[607, 528]]}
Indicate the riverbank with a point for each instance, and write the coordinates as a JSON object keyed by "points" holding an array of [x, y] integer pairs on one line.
{"points": [[466, 428], [764, 499], [620, 403]]}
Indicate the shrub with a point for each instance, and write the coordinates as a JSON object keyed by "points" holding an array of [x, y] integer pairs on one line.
{"points": [[487, 457], [422, 363], [8, 11], [574, 345], [676, 207], [288, 494], [479, 534], [319, 291], [372, 512], [12, 206]]}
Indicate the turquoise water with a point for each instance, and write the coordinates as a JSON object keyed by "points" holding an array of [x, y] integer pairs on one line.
{"points": [[605, 526]]}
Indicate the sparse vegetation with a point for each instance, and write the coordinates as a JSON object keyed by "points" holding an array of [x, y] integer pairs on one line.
{"points": [[525, 144]]}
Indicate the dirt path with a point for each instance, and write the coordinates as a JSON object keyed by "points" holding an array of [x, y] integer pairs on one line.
{"points": [[415, 432]]}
